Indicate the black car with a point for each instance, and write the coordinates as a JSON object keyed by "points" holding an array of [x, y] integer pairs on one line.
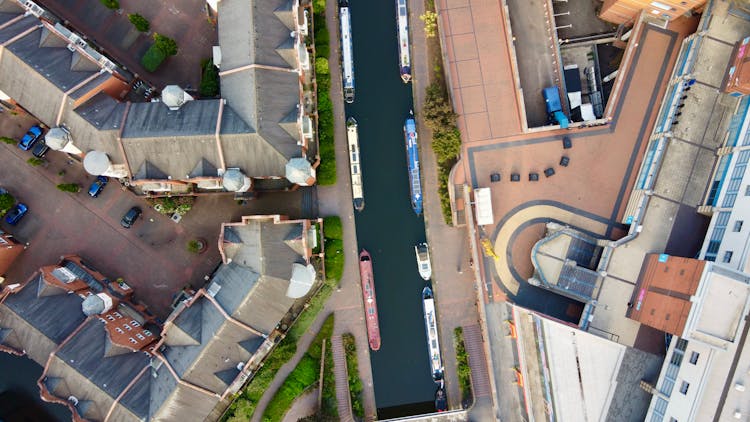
{"points": [[129, 218], [40, 149]]}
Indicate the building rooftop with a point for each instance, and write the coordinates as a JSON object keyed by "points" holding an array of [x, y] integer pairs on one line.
{"points": [[664, 292]]}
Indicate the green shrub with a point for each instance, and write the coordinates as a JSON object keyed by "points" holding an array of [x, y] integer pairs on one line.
{"points": [[326, 172], [9, 141], [34, 161], [332, 228], [209, 86], [172, 204], [446, 139], [139, 22], [304, 376], [69, 187], [6, 202], [111, 4], [462, 361], [153, 58], [355, 383]]}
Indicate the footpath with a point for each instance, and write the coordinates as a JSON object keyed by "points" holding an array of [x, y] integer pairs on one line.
{"points": [[346, 301]]}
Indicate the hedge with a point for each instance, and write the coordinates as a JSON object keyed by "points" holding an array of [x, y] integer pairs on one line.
{"points": [[326, 172], [355, 383], [332, 228], [463, 369]]}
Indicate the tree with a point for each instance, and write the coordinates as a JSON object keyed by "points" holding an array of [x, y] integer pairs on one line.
{"points": [[209, 86], [430, 23], [6, 202], [446, 144], [140, 23], [438, 113], [111, 4], [166, 45]]}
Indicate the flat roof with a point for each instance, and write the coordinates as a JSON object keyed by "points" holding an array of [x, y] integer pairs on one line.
{"points": [[664, 291], [723, 299]]}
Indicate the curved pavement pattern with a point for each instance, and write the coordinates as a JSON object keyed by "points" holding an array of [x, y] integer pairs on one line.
{"points": [[514, 222]]}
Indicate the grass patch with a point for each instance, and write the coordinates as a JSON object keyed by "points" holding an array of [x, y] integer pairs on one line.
{"points": [[332, 227], [69, 187], [326, 172], [355, 383], [9, 141], [462, 366], [334, 248], [304, 376]]}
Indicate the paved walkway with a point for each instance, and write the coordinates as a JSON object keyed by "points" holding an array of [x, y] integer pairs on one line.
{"points": [[346, 302], [452, 279], [304, 406], [342, 379]]}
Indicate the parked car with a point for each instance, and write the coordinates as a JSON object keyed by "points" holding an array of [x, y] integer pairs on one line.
{"points": [[96, 188], [129, 218], [16, 213], [28, 140], [40, 149]]}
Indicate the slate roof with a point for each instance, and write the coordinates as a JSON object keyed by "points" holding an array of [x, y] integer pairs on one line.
{"points": [[156, 120], [85, 353], [102, 111], [54, 63], [55, 315]]}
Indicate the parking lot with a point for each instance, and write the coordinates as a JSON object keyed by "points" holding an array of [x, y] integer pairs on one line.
{"points": [[152, 256]]}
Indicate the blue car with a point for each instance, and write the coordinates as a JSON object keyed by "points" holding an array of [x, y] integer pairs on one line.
{"points": [[96, 188], [16, 214], [28, 140]]}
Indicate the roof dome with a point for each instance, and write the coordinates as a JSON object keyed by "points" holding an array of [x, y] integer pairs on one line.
{"points": [[300, 171], [235, 180], [57, 138], [96, 163], [92, 305], [174, 97]]}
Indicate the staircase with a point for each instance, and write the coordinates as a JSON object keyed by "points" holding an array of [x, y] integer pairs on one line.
{"points": [[480, 380], [342, 379]]}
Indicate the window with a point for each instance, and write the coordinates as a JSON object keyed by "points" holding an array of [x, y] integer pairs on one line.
{"points": [[135, 323], [728, 256], [140, 336], [694, 357], [684, 387], [119, 330], [747, 190], [738, 226], [132, 340], [681, 344], [110, 317], [147, 333], [127, 327]]}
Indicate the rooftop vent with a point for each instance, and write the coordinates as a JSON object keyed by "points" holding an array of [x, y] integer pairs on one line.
{"points": [[63, 274]]}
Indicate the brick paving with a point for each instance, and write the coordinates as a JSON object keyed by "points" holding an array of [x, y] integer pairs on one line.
{"points": [[342, 379], [480, 379], [185, 21], [152, 256]]}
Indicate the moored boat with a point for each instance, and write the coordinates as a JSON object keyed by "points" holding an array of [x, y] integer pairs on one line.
{"points": [[423, 260], [404, 58], [412, 161], [354, 164], [347, 51], [368, 296], [441, 401], [433, 345]]}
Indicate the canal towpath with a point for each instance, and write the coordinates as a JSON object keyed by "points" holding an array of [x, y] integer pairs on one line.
{"points": [[346, 301]]}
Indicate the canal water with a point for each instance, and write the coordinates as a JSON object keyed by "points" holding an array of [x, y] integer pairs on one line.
{"points": [[388, 227], [19, 394]]}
